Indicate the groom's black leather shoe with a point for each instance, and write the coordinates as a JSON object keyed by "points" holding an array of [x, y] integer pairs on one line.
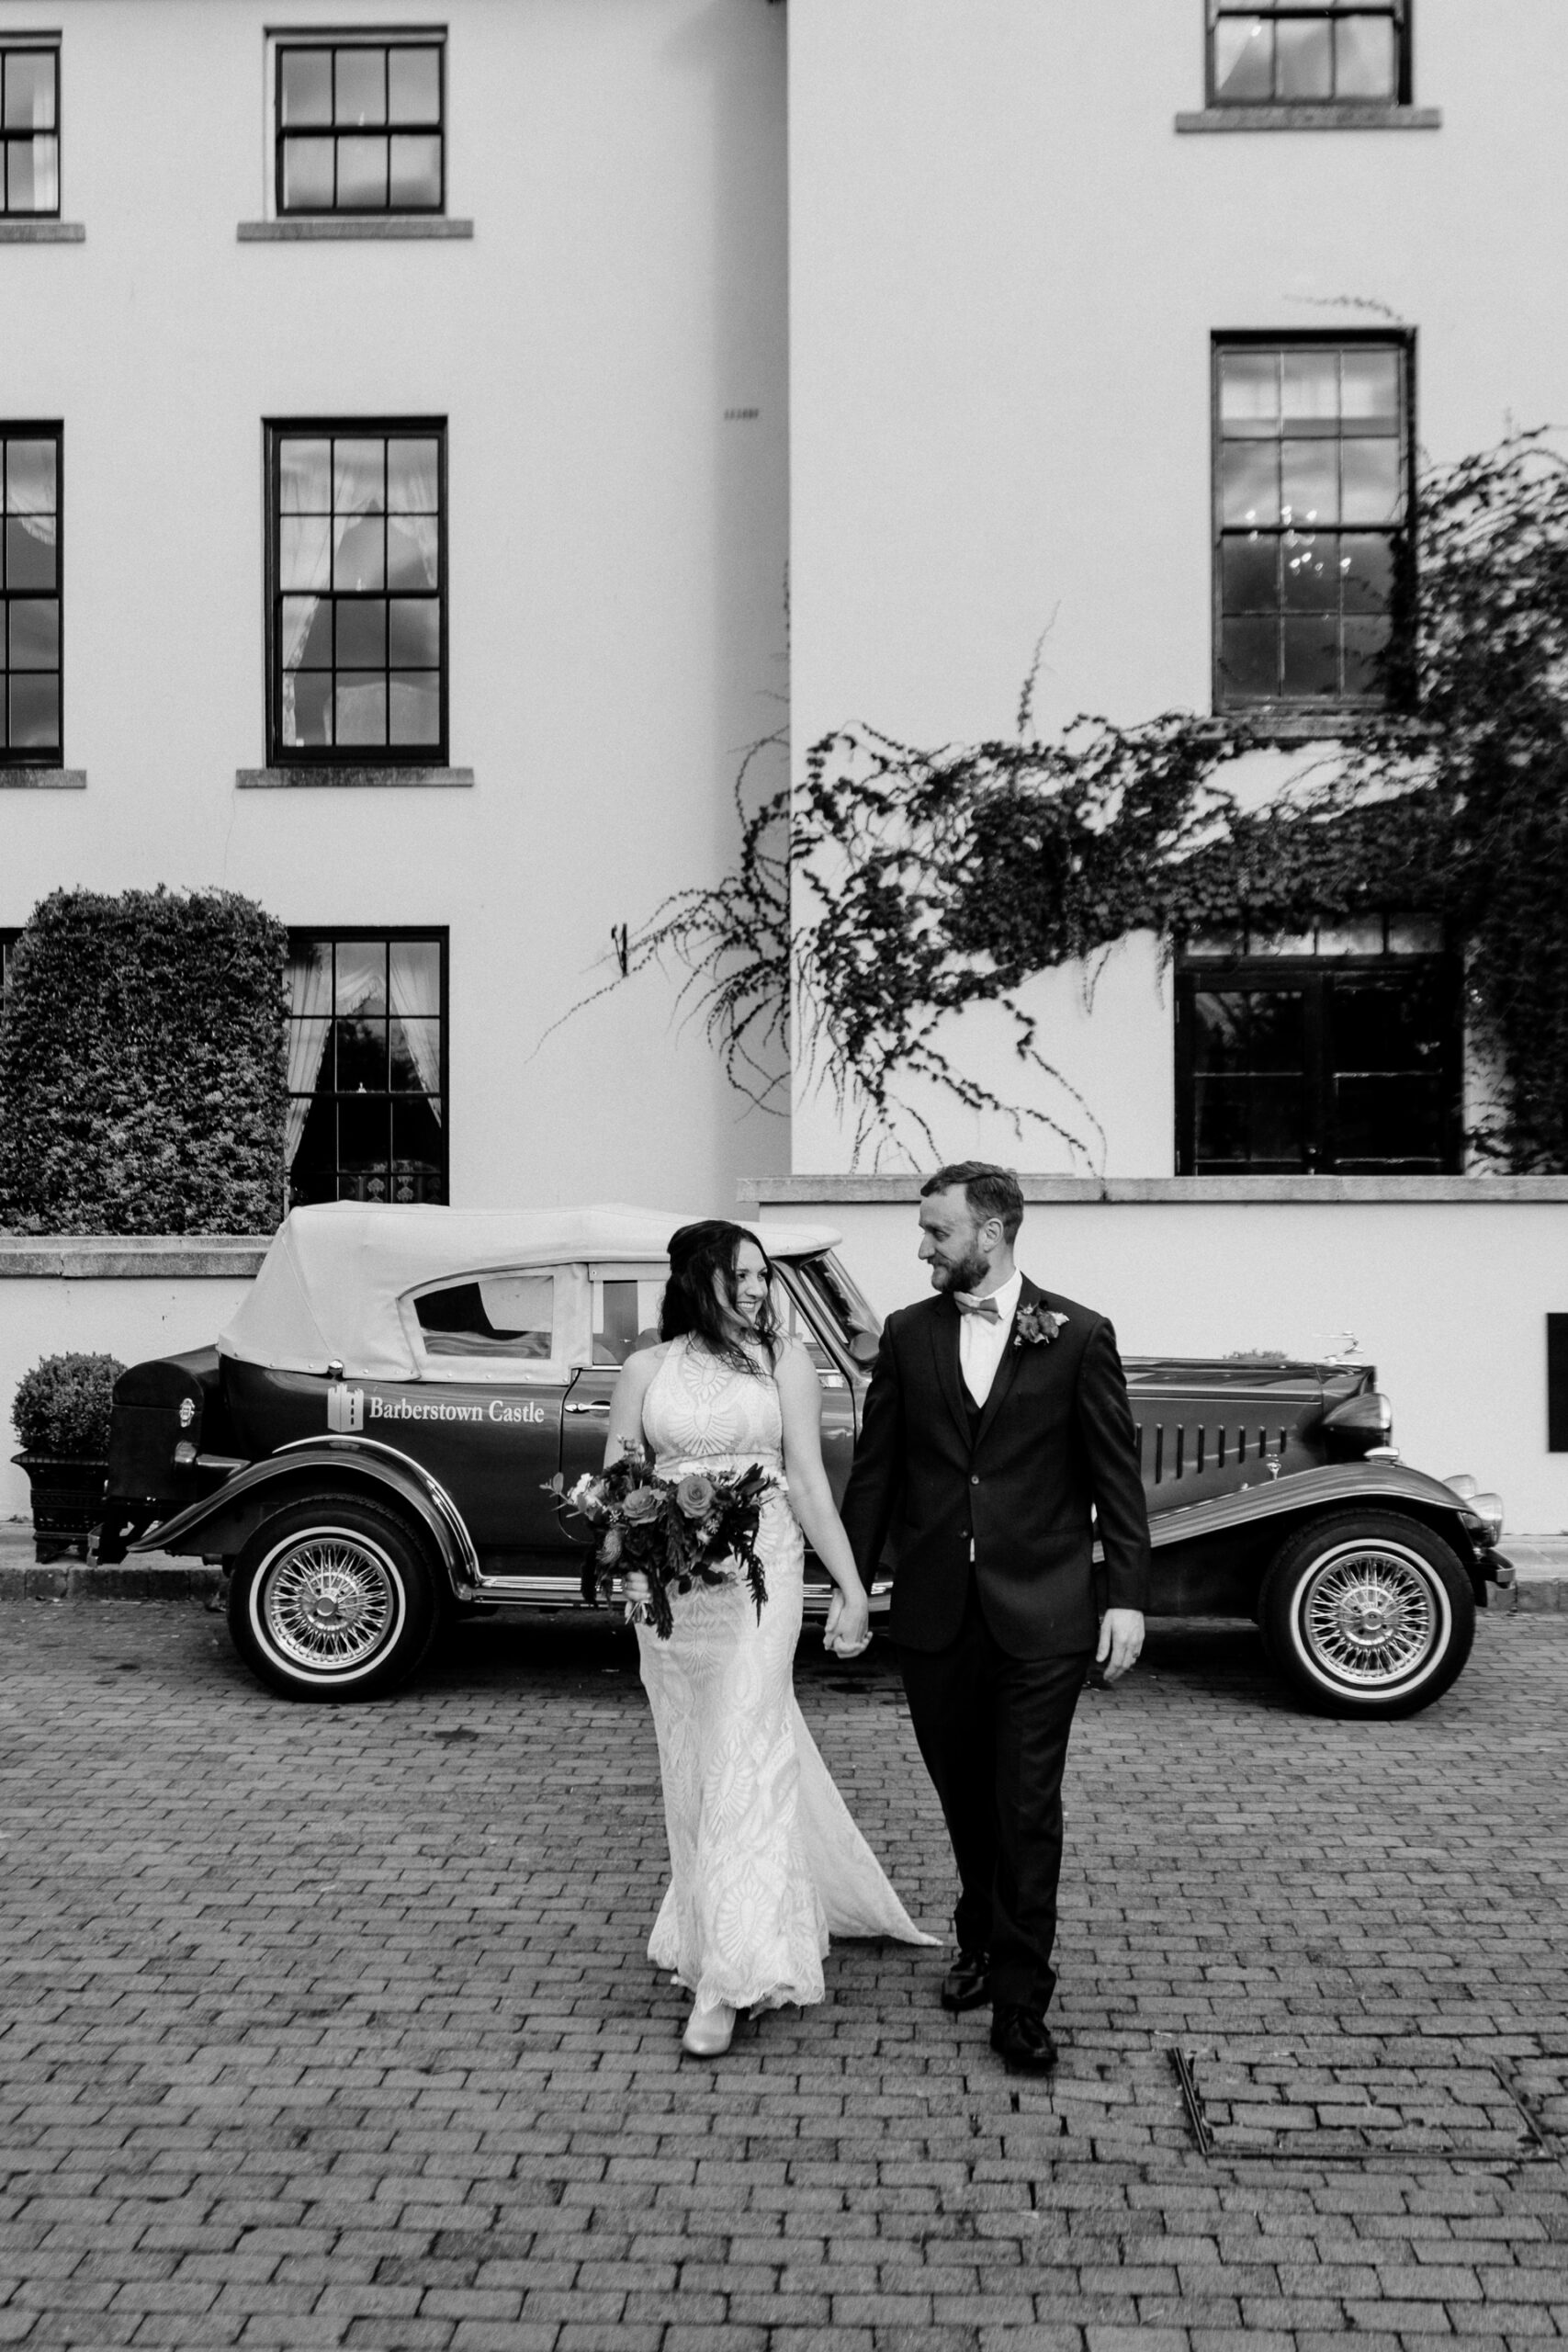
{"points": [[1024, 2042], [967, 1982]]}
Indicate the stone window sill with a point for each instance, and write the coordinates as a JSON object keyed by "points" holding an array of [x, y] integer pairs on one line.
{"points": [[1330, 117], [335, 230], [43, 779], [284, 778], [1303, 726], [43, 233]]}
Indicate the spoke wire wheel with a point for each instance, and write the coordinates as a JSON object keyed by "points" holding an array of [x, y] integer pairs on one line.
{"points": [[1373, 1616], [1368, 1612], [330, 1601]]}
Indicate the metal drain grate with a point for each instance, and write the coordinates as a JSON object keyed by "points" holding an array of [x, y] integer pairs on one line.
{"points": [[1334, 2113]]}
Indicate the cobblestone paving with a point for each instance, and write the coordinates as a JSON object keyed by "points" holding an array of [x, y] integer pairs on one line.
{"points": [[333, 2027]]}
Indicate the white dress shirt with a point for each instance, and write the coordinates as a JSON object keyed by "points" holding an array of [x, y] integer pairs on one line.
{"points": [[981, 1344]]}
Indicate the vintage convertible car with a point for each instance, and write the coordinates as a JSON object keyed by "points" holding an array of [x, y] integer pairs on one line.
{"points": [[368, 1446]]}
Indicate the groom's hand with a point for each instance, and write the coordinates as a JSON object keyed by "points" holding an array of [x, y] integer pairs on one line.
{"points": [[1121, 1639]]}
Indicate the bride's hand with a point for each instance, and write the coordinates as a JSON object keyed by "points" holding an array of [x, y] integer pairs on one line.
{"points": [[636, 1588], [848, 1630]]}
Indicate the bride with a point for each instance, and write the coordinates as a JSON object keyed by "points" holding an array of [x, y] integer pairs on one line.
{"points": [[764, 1858]]}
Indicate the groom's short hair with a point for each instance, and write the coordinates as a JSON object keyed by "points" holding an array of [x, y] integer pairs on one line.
{"points": [[989, 1190]]}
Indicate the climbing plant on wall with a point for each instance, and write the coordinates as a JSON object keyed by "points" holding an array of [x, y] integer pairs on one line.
{"points": [[928, 881]]}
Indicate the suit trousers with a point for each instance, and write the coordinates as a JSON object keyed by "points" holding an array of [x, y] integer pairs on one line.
{"points": [[993, 1730]]}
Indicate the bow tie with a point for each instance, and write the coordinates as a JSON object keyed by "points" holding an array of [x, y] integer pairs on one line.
{"points": [[986, 1309]]}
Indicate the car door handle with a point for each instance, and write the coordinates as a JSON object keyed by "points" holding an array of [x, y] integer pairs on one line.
{"points": [[601, 1406]]}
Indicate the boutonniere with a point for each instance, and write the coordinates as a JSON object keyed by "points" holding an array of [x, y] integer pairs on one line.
{"points": [[1036, 1327]]}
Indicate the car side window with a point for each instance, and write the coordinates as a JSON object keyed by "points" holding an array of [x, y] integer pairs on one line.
{"points": [[626, 1301], [509, 1317]]}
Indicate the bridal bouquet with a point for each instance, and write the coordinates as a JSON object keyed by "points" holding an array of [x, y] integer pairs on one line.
{"points": [[675, 1532]]}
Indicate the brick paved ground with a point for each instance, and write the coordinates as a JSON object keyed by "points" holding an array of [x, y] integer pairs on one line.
{"points": [[334, 2028]]}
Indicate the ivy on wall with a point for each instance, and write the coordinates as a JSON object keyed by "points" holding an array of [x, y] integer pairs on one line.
{"points": [[143, 1066], [925, 882]]}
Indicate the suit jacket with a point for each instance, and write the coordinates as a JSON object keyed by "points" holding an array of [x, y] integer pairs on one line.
{"points": [[1012, 1506]]}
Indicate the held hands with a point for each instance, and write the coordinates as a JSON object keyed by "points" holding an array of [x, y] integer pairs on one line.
{"points": [[1121, 1639], [848, 1630], [635, 1591]]}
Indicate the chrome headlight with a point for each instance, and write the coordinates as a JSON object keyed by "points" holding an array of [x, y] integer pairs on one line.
{"points": [[1483, 1515]]}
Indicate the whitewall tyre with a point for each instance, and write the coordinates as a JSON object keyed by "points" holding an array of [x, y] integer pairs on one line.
{"points": [[333, 1598], [1367, 1613]]}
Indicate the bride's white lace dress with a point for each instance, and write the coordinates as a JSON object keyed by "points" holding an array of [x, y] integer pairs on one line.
{"points": [[764, 1858]]}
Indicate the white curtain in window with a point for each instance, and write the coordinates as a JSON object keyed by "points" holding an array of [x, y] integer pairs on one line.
{"points": [[414, 988], [311, 1003], [317, 538]]}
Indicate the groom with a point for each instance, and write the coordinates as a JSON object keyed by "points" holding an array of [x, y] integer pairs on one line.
{"points": [[996, 1423]]}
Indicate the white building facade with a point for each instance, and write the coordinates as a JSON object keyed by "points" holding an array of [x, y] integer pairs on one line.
{"points": [[478, 428]]}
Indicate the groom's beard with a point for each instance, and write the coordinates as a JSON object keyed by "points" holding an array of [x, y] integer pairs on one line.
{"points": [[962, 1274]]}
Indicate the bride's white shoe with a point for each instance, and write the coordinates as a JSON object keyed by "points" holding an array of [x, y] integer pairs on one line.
{"points": [[709, 2032]]}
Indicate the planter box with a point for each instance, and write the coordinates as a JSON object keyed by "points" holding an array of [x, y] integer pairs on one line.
{"points": [[68, 1500]]}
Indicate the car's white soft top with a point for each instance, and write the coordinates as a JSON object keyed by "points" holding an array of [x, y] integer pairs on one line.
{"points": [[329, 1287]]}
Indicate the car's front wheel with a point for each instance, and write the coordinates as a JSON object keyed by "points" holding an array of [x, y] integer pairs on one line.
{"points": [[1367, 1613], [333, 1598]]}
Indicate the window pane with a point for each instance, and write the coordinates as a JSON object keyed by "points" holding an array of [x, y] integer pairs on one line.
{"points": [[361, 85], [414, 85], [35, 634], [416, 1056], [32, 176], [1370, 390], [30, 478], [1311, 573], [1366, 648], [361, 708], [414, 637], [1304, 59], [1250, 567], [307, 624], [1249, 481], [1366, 63], [1244, 60], [416, 976], [1310, 658], [416, 707], [1249, 661], [359, 477], [35, 712], [1366, 569], [1389, 1122], [305, 477], [358, 561], [412, 552], [1372, 479], [362, 634], [1250, 389], [1311, 390], [307, 709], [361, 1057], [29, 92], [413, 475], [416, 1155], [29, 551], [416, 172], [364, 1130], [361, 174], [306, 176], [303, 546], [306, 93], [1309, 482], [1415, 935], [1356, 935]]}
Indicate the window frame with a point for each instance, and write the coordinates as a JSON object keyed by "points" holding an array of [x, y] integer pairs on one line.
{"points": [[34, 45], [385, 37], [301, 935], [1401, 11], [1314, 975], [1402, 536], [275, 430], [37, 429]]}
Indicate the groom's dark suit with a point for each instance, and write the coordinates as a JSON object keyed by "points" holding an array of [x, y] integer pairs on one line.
{"points": [[994, 1609]]}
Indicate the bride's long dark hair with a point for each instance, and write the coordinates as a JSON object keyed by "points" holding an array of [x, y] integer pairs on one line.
{"points": [[697, 1254]]}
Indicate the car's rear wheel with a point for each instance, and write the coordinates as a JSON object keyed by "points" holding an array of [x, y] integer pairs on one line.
{"points": [[332, 1599], [1367, 1613]]}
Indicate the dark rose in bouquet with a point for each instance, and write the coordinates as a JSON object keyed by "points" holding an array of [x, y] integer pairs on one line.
{"points": [[677, 1532]]}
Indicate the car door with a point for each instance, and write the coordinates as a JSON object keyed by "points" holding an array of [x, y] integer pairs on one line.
{"points": [[497, 1354]]}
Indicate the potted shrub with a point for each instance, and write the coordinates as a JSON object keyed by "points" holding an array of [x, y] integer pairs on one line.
{"points": [[61, 1416]]}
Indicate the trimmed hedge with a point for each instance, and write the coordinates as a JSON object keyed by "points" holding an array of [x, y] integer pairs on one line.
{"points": [[143, 1059], [63, 1406]]}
